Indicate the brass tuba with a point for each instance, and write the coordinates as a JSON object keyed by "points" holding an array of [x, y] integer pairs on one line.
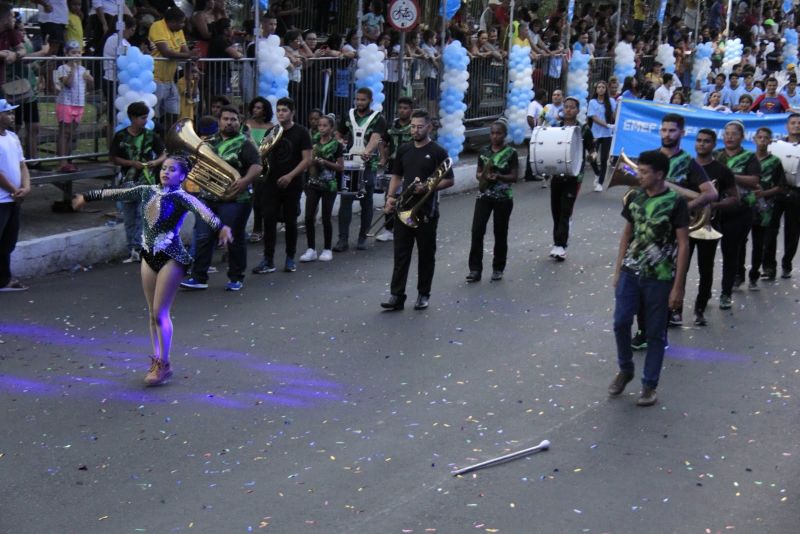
{"points": [[267, 144], [483, 177], [626, 173], [209, 170], [410, 216]]}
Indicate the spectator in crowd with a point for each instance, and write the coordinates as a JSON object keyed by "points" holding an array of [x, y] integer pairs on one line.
{"points": [[217, 74], [113, 48], [25, 76], [351, 46], [745, 103], [139, 152], [15, 184], [218, 102], [488, 17], [285, 13], [678, 99], [552, 112], [771, 101], [790, 92], [664, 92], [373, 20], [12, 47], [72, 80], [103, 18], [630, 87], [74, 29], [430, 71], [53, 18], [715, 102], [168, 40], [750, 87], [206, 13], [313, 124], [601, 112], [734, 91]]}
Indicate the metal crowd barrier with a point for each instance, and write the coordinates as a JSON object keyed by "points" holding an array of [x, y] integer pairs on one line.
{"points": [[36, 121]]}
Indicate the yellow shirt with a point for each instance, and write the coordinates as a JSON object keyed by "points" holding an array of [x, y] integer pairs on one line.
{"points": [[164, 71], [74, 30], [639, 9]]}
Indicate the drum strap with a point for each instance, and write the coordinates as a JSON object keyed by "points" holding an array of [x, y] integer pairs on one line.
{"points": [[359, 131]]}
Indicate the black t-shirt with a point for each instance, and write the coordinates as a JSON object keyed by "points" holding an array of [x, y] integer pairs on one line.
{"points": [[288, 153], [686, 172], [413, 162]]}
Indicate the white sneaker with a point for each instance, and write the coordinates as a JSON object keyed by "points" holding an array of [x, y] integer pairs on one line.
{"points": [[309, 255], [384, 235], [553, 251], [135, 257], [559, 253], [327, 255], [598, 188]]}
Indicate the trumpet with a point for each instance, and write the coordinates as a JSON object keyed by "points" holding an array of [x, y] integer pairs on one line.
{"points": [[626, 173], [410, 216]]}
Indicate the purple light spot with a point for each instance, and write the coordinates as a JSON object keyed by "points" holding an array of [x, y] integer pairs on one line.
{"points": [[704, 355]]}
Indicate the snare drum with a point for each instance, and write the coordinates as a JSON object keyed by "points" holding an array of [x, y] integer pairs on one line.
{"points": [[353, 175], [789, 154], [556, 151]]}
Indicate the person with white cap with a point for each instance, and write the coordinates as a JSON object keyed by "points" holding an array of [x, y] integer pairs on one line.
{"points": [[15, 184]]}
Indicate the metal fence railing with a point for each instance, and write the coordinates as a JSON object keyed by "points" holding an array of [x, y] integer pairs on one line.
{"points": [[327, 84]]}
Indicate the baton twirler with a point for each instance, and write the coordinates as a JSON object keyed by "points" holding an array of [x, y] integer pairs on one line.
{"points": [[543, 446]]}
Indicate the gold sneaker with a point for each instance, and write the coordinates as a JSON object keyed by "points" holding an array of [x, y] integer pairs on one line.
{"points": [[158, 374]]}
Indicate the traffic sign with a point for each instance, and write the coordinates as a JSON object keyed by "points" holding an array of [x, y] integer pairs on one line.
{"points": [[404, 15]]}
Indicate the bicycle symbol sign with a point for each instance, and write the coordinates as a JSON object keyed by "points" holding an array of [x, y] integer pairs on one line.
{"points": [[404, 15]]}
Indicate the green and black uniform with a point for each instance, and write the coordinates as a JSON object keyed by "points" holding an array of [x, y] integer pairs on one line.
{"points": [[322, 188], [653, 249], [735, 224], [497, 199], [240, 153], [772, 175], [144, 147]]}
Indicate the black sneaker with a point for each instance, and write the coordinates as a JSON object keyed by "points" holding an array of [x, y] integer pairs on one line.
{"points": [[264, 267], [497, 275], [738, 282], [675, 318], [617, 385], [639, 341], [474, 276], [769, 275], [786, 273], [341, 246], [700, 319], [647, 397]]}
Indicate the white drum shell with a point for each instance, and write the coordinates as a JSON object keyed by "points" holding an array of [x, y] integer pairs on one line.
{"points": [[556, 150], [789, 154]]}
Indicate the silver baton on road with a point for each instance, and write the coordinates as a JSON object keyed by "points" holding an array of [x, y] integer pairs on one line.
{"points": [[543, 446]]}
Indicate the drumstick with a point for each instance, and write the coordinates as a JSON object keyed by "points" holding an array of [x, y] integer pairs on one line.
{"points": [[543, 446]]}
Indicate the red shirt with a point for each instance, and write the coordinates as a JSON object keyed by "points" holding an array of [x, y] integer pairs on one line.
{"points": [[9, 40]]}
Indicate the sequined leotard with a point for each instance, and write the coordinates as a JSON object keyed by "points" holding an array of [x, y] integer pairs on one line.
{"points": [[163, 211]]}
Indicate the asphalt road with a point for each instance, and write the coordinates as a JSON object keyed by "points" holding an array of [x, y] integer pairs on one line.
{"points": [[298, 406]]}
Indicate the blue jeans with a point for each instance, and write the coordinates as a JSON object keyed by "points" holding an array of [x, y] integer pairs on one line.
{"points": [[346, 208], [654, 297], [132, 215], [234, 215]]}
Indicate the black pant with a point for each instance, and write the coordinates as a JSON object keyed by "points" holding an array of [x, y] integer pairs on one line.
{"points": [[233, 215], [757, 256], [404, 238], [484, 208], [346, 208], [706, 250], [313, 198], [603, 146], [563, 193], [734, 227], [9, 232], [280, 205], [791, 234]]}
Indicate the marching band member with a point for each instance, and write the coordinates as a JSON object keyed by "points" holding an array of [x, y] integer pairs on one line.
{"points": [[418, 159], [772, 181], [704, 145], [397, 135], [240, 152], [321, 185], [565, 189], [284, 186], [788, 207], [363, 130], [650, 269], [497, 170], [165, 258], [736, 223]]}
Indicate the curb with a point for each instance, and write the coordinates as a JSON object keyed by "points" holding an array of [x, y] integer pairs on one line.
{"points": [[73, 250]]}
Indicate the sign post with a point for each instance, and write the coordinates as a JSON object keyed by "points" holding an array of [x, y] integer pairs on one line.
{"points": [[403, 17]]}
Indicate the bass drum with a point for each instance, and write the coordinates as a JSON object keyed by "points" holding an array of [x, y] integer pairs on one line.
{"points": [[789, 154], [556, 151]]}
